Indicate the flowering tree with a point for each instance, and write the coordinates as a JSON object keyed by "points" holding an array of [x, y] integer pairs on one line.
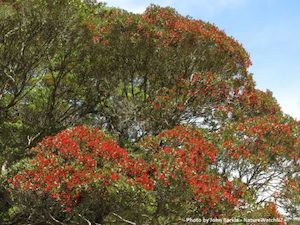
{"points": [[81, 174], [191, 136], [81, 170]]}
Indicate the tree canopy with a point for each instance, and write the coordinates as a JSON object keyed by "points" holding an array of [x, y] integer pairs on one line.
{"points": [[107, 116]]}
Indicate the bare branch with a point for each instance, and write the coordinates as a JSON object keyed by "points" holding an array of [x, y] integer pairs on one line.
{"points": [[56, 220], [124, 220], [31, 139], [89, 222]]}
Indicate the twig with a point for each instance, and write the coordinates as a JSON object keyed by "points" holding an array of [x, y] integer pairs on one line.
{"points": [[56, 220], [89, 222], [124, 220]]}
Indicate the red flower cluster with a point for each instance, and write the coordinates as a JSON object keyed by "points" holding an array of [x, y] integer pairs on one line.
{"points": [[183, 154], [259, 101], [254, 139], [174, 28], [204, 87], [75, 160]]}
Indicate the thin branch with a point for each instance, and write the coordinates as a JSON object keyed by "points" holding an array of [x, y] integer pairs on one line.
{"points": [[31, 139], [124, 220], [56, 220], [89, 222]]}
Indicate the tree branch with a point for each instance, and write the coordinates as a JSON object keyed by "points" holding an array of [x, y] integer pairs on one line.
{"points": [[124, 220]]}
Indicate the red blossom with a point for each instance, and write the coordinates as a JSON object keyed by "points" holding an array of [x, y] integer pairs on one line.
{"points": [[73, 160]]}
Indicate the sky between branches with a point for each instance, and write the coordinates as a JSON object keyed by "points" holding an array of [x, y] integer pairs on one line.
{"points": [[268, 29]]}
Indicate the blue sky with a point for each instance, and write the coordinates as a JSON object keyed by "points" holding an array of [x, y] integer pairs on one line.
{"points": [[268, 29]]}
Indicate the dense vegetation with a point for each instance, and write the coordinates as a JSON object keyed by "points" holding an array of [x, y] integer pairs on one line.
{"points": [[110, 117]]}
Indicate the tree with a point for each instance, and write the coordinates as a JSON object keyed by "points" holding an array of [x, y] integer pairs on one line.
{"points": [[81, 173], [173, 92]]}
